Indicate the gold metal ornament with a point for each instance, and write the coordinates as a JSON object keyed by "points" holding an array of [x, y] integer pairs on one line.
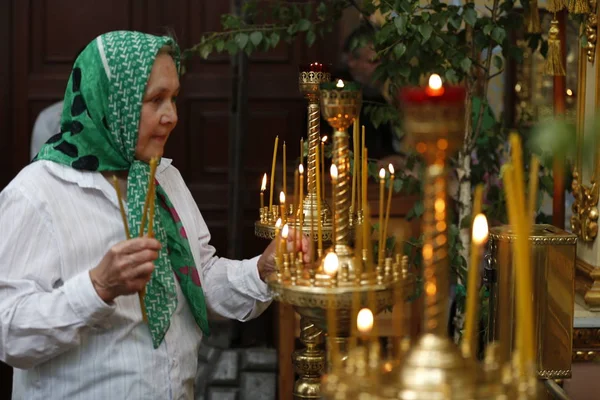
{"points": [[584, 221], [591, 31]]}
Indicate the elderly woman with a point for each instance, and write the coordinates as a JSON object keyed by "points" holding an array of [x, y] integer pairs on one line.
{"points": [[70, 315]]}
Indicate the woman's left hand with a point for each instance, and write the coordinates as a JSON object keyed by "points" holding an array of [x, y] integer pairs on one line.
{"points": [[266, 262]]}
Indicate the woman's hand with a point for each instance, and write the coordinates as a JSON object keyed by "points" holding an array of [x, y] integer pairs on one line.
{"points": [[126, 268], [266, 262]]}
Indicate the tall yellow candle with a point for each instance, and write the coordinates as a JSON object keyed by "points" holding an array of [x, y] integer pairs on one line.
{"points": [[334, 175], [354, 165], [534, 168], [323, 140], [319, 220], [300, 202], [516, 156], [524, 307], [468, 345], [277, 246], [330, 266], [284, 170], [363, 163], [283, 241], [273, 172], [282, 207], [381, 216], [365, 205], [389, 202]]}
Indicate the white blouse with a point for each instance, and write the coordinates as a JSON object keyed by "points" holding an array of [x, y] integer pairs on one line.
{"points": [[56, 223]]}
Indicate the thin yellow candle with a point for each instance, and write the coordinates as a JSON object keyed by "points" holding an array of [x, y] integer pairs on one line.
{"points": [[273, 172], [365, 206], [363, 164], [323, 140], [524, 307], [330, 266], [284, 170], [277, 246], [149, 194], [282, 207], [295, 200], [312, 229], [121, 206], [319, 221], [283, 241], [381, 215], [334, 175], [354, 165], [534, 167], [478, 239], [300, 202], [263, 187], [516, 156], [389, 202]]}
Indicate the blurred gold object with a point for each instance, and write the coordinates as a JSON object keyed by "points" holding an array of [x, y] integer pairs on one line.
{"points": [[553, 260]]}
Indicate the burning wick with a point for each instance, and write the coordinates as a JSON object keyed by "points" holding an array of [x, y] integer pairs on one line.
{"points": [[435, 87], [331, 264], [340, 83], [480, 229], [364, 321]]}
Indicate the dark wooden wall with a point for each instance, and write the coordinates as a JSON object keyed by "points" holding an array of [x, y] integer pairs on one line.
{"points": [[38, 42]]}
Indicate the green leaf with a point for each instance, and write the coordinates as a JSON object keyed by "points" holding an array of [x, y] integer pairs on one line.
{"points": [[404, 70], [399, 50], [220, 45], [310, 37], [451, 76], [232, 47], [400, 23], [425, 16], [322, 10], [499, 34], [488, 28], [256, 37], [274, 39], [425, 30], [465, 64], [498, 62], [304, 25], [436, 43], [206, 50], [241, 39], [470, 16], [455, 22]]}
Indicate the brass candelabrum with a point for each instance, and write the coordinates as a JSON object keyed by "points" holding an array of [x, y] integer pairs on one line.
{"points": [[320, 289], [310, 77], [433, 367]]}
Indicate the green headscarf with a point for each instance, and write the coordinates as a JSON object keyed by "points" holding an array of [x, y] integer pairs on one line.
{"points": [[99, 130]]}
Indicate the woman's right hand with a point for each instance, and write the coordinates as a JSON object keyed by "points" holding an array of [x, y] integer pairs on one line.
{"points": [[126, 268]]}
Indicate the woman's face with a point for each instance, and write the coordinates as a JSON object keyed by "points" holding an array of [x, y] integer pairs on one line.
{"points": [[159, 112]]}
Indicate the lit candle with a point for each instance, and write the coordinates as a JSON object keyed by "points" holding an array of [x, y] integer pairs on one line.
{"points": [[435, 87], [284, 235], [323, 140], [263, 187], [334, 175], [282, 206], [284, 170], [331, 264], [319, 221], [381, 215], [340, 84], [301, 209], [389, 202], [277, 247], [364, 322], [273, 173], [478, 239]]}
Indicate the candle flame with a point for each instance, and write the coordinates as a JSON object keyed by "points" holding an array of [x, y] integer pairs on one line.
{"points": [[382, 173], [333, 171], [340, 83], [331, 264], [435, 82], [301, 169], [480, 229], [364, 321], [281, 197], [278, 223], [324, 139], [285, 231], [391, 169], [263, 185]]}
